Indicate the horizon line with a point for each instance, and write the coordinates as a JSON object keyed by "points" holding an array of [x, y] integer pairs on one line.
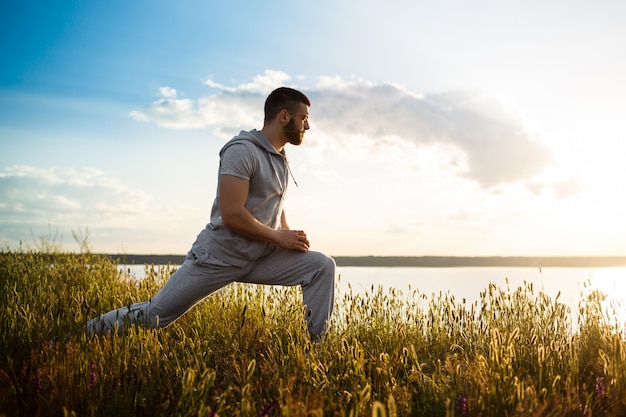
{"points": [[422, 260]]}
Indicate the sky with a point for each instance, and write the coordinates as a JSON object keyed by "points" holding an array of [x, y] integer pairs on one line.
{"points": [[451, 128]]}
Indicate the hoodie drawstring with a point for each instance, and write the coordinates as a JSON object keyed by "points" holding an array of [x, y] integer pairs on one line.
{"points": [[290, 173]]}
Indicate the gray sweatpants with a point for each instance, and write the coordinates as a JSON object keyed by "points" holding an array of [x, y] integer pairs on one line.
{"points": [[194, 281]]}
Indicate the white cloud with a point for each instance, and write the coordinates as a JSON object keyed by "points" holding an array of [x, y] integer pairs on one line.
{"points": [[167, 92], [569, 187], [50, 203], [218, 111], [43, 195], [229, 108], [262, 84], [495, 145]]}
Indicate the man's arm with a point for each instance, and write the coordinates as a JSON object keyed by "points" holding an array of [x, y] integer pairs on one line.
{"points": [[233, 193]]}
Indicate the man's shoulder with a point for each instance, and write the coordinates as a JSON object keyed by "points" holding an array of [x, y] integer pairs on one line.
{"points": [[242, 146]]}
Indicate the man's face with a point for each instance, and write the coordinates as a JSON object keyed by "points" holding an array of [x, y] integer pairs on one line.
{"points": [[297, 125]]}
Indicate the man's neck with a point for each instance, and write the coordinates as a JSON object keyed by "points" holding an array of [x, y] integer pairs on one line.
{"points": [[276, 137]]}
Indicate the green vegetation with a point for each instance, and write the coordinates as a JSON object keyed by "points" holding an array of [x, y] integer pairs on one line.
{"points": [[244, 351]]}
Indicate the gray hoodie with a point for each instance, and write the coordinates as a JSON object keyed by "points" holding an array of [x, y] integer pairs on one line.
{"points": [[248, 155]]}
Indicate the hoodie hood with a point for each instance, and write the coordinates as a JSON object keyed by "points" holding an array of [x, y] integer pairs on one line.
{"points": [[255, 136], [259, 139]]}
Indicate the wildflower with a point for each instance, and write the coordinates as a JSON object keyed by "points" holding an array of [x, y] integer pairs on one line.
{"points": [[585, 410], [461, 405], [267, 410], [93, 377], [115, 384], [37, 381], [600, 387]]}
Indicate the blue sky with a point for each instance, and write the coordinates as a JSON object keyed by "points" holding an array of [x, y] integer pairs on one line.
{"points": [[437, 128]]}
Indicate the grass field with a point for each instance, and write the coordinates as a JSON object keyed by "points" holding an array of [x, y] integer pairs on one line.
{"points": [[244, 351]]}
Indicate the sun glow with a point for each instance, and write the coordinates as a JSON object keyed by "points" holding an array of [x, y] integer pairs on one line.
{"points": [[612, 283]]}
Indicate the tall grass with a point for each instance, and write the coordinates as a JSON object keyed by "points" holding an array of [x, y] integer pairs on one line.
{"points": [[244, 351]]}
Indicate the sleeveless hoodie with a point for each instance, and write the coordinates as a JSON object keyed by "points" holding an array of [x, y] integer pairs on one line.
{"points": [[268, 185]]}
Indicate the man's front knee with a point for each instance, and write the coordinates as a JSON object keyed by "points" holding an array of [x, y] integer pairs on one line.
{"points": [[329, 267]]}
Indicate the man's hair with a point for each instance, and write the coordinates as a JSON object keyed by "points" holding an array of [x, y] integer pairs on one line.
{"points": [[283, 98]]}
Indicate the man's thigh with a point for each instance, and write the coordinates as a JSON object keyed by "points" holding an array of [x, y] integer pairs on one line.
{"points": [[287, 267], [191, 283]]}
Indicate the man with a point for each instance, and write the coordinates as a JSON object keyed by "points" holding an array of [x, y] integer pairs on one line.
{"points": [[248, 238]]}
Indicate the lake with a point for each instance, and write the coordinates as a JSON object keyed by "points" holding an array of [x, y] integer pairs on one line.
{"points": [[468, 282]]}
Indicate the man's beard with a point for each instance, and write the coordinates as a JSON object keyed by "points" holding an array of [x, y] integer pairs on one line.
{"points": [[293, 134]]}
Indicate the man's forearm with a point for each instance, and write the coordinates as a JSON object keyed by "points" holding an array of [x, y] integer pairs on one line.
{"points": [[233, 193], [246, 225]]}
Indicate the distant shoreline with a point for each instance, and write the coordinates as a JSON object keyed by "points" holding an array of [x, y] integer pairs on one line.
{"points": [[424, 261]]}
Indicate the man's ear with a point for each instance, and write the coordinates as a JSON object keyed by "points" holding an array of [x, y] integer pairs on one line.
{"points": [[284, 116]]}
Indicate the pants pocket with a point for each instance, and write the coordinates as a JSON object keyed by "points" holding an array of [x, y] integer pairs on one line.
{"points": [[202, 257], [198, 256]]}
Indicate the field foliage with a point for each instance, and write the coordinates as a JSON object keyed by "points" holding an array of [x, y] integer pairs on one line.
{"points": [[244, 351]]}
